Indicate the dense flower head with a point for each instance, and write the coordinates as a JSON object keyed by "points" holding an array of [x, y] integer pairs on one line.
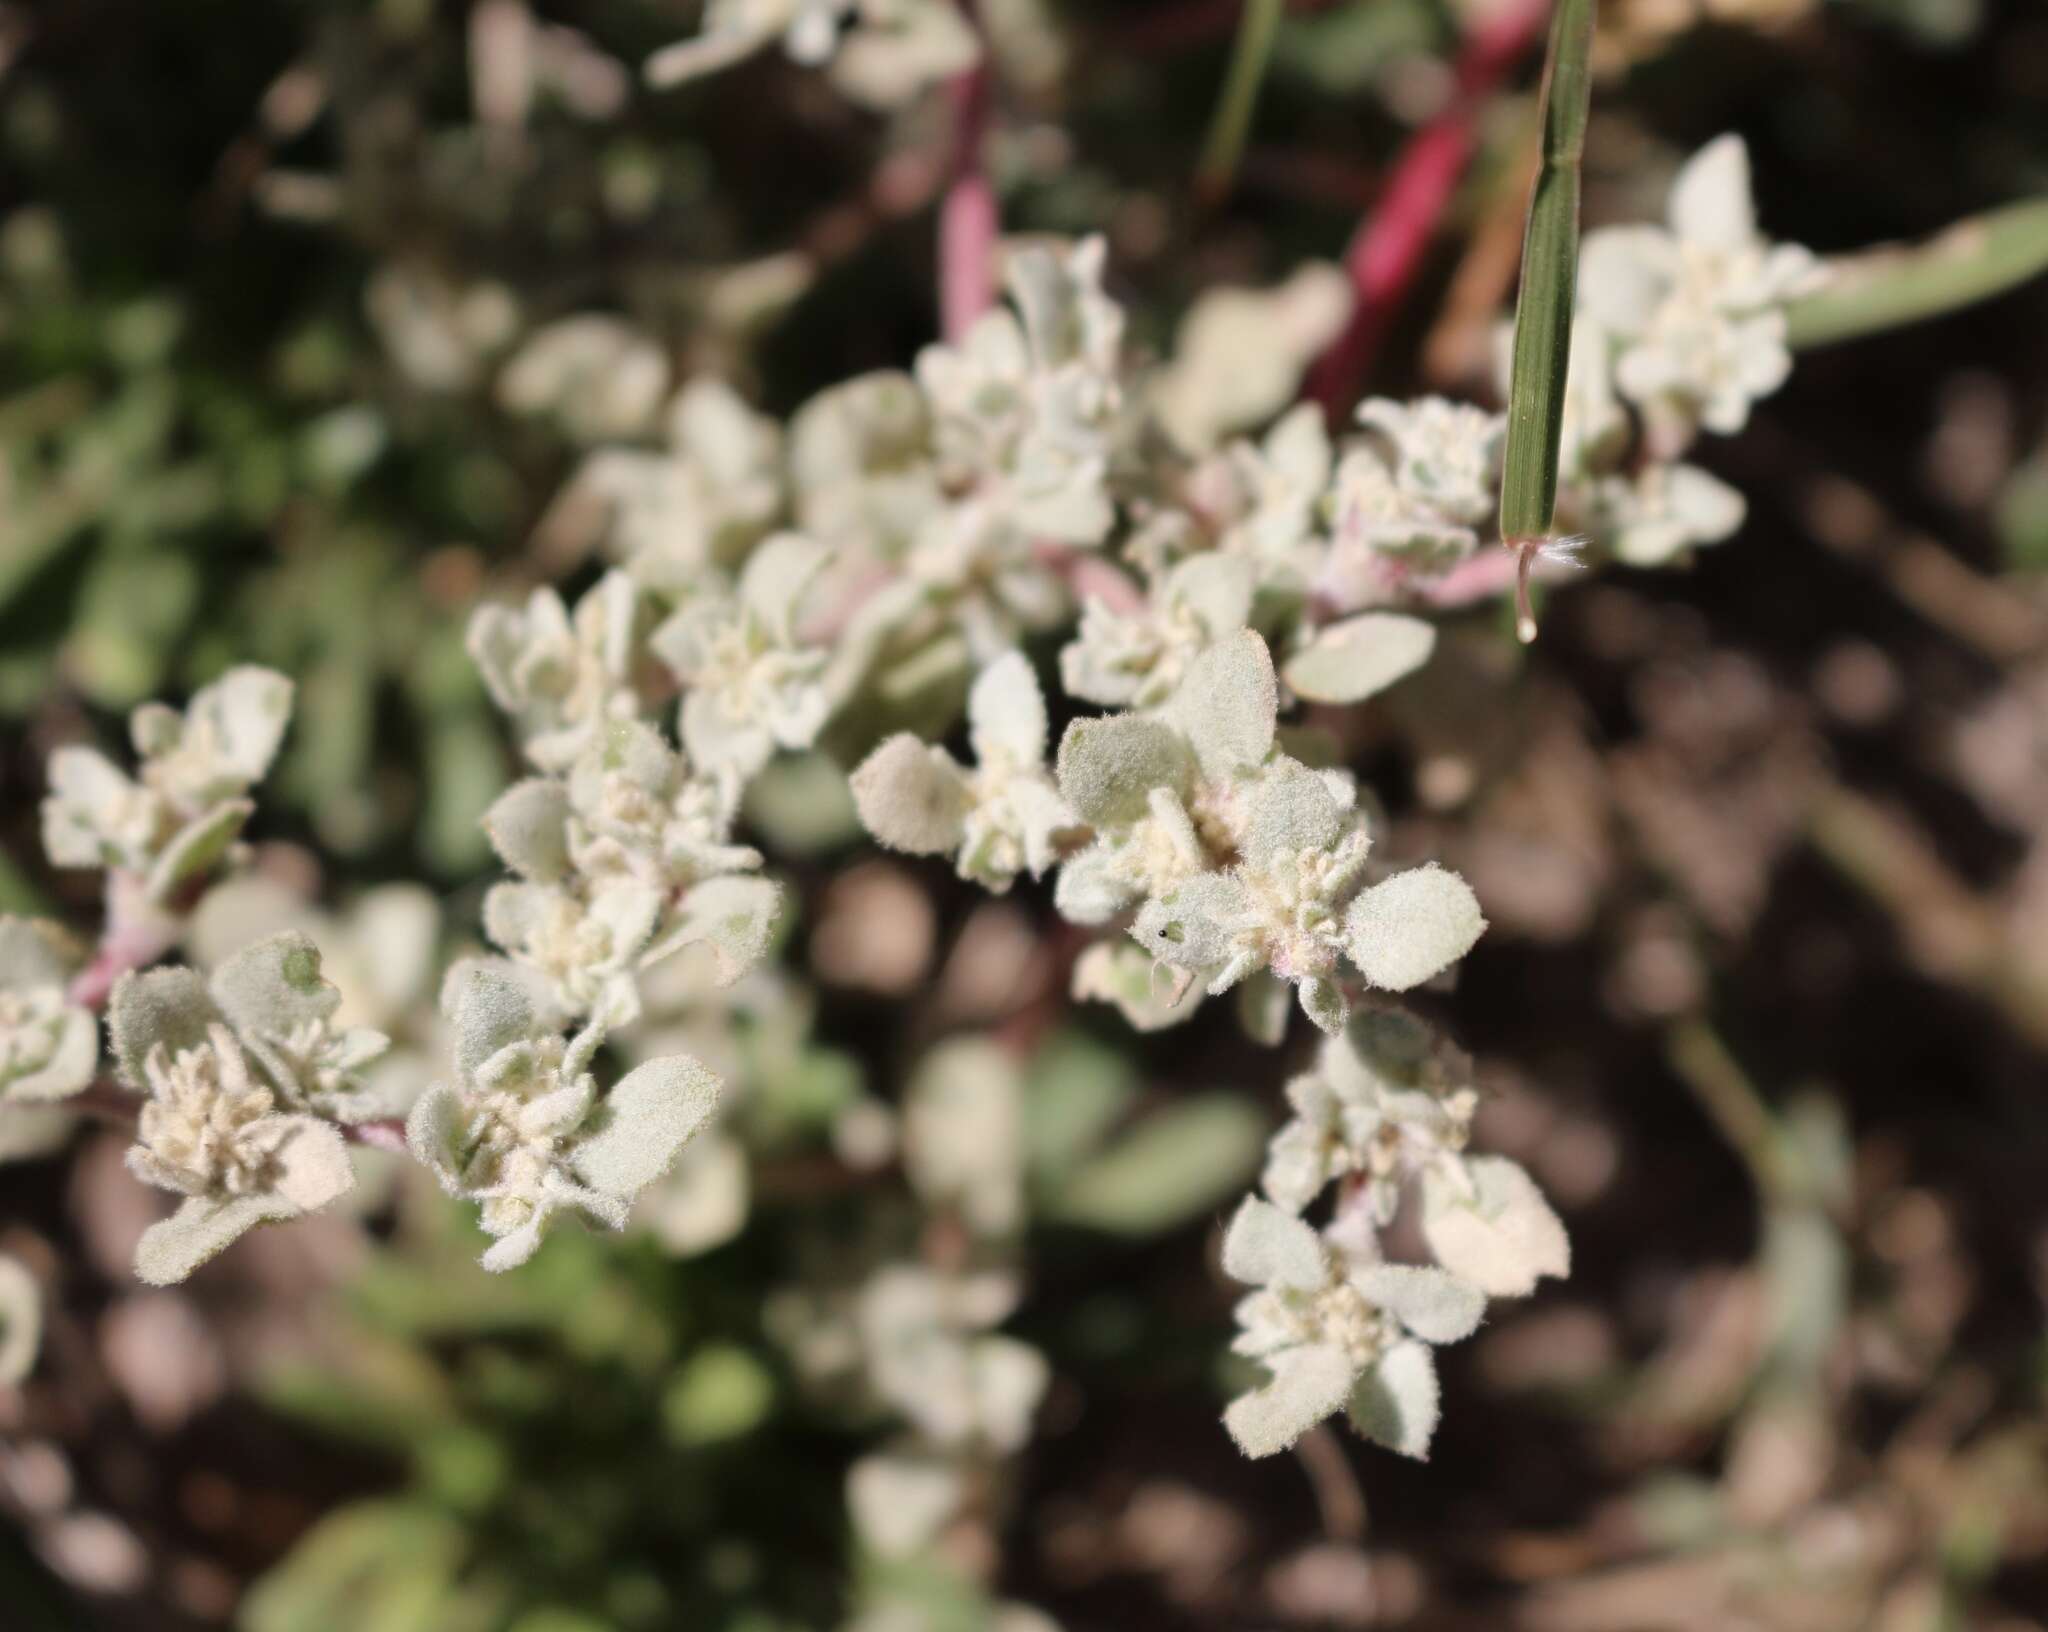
{"points": [[245, 1079], [526, 1132], [185, 807]]}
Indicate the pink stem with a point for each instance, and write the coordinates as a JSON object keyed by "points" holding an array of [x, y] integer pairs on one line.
{"points": [[1386, 252], [379, 1135], [137, 934], [1495, 571], [967, 215]]}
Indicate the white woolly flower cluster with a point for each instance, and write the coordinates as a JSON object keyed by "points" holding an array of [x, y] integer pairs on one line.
{"points": [[1032, 479], [49, 1045], [1000, 818], [185, 808], [1386, 1113], [880, 52], [624, 851], [1238, 858], [246, 1076], [1687, 323], [525, 1131]]}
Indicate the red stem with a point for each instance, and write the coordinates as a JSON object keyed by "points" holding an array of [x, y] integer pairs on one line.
{"points": [[1386, 252], [138, 933]]}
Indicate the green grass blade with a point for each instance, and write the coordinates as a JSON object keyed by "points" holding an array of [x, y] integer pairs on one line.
{"points": [[1903, 283], [1543, 309], [1224, 145]]}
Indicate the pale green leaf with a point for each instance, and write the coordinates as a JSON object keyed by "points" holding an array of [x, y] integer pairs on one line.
{"points": [[201, 1228], [1265, 1246], [1174, 1166], [1308, 1383], [1227, 704], [1396, 1403], [274, 986], [644, 1122], [911, 797], [1436, 1306], [528, 828], [1109, 767], [1350, 661], [1412, 927], [168, 1006], [1495, 1230]]}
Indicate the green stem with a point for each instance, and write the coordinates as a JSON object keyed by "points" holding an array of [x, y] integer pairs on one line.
{"points": [[1888, 288], [1543, 308], [1233, 117]]}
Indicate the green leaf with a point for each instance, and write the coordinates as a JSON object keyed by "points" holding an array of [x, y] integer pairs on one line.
{"points": [[720, 1393], [1543, 310], [1075, 1091], [1173, 1167], [1888, 288]]}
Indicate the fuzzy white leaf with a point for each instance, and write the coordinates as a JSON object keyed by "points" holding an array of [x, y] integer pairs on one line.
{"points": [[84, 784], [1324, 1002], [274, 986], [1006, 712], [1227, 704], [1291, 808], [242, 717], [200, 1229], [1109, 767], [1308, 1383], [911, 797], [312, 1163], [775, 577], [649, 1115], [1193, 926], [1117, 972], [1267, 1247], [432, 1129], [489, 1008], [1412, 927], [1435, 1306], [1503, 1237], [168, 1006], [69, 1068], [735, 916], [1397, 1402], [1710, 201], [1350, 661], [527, 827]]}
